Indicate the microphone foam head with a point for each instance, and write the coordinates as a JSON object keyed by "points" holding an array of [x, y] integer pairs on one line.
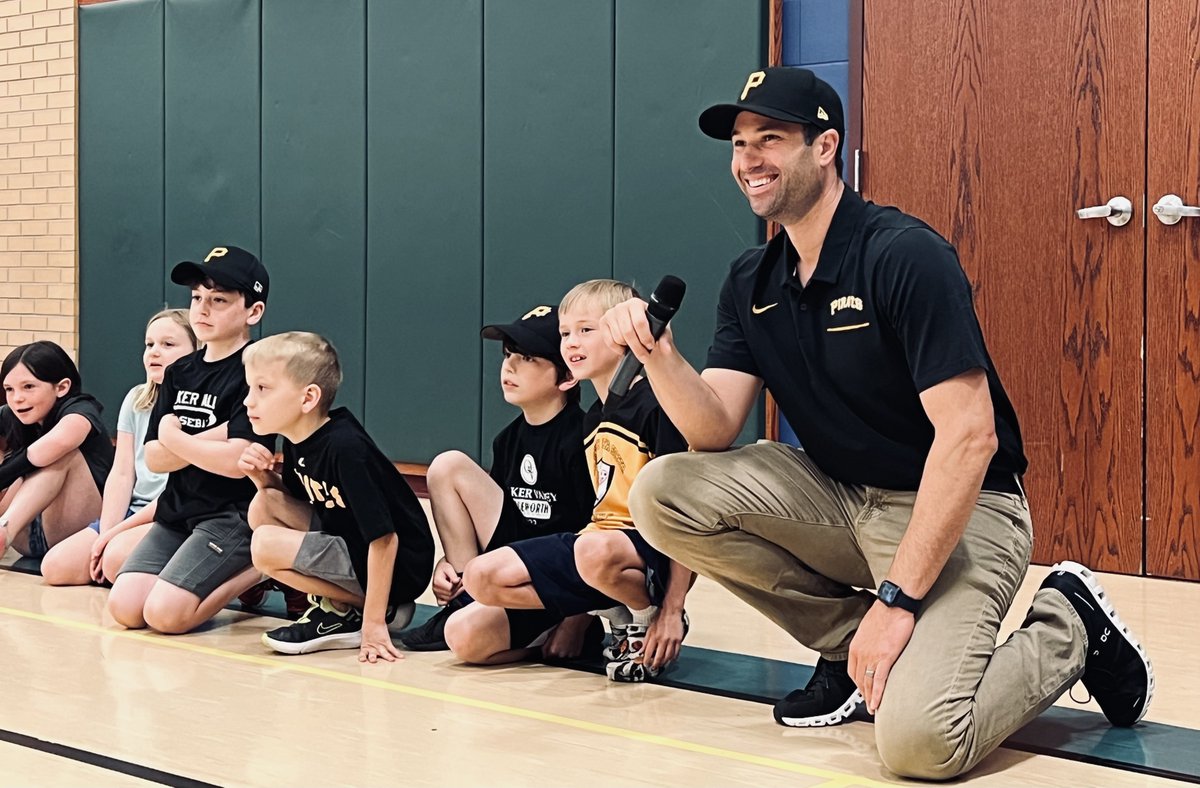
{"points": [[667, 297]]}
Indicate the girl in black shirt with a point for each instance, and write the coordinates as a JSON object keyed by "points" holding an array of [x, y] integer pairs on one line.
{"points": [[57, 450]]}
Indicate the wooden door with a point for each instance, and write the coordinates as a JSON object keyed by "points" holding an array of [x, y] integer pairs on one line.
{"points": [[1173, 294], [993, 121]]}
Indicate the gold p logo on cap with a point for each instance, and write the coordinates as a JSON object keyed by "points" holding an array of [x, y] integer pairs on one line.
{"points": [[537, 311], [753, 81], [218, 251]]}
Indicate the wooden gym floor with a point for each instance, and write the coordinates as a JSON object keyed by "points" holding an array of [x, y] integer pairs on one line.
{"points": [[88, 704]]}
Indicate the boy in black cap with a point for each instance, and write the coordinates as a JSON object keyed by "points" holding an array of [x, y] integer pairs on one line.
{"points": [[196, 557], [539, 481]]}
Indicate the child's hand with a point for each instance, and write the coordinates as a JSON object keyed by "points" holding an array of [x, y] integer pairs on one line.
{"points": [[663, 640], [377, 644], [446, 582], [256, 462], [96, 559]]}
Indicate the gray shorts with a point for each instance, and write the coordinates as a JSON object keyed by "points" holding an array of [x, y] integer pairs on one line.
{"points": [[326, 557], [217, 548]]}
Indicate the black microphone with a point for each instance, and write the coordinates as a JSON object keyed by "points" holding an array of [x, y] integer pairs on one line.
{"points": [[664, 303]]}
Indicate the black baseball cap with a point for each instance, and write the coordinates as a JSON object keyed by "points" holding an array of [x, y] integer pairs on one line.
{"points": [[228, 266], [536, 333], [795, 95]]}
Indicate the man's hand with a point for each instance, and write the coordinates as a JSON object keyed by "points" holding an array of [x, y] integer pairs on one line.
{"points": [[663, 640], [566, 641], [882, 635], [258, 463], [626, 326], [377, 644], [447, 583]]}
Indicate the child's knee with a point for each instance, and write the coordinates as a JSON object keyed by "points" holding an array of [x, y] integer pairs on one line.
{"points": [[445, 468], [479, 579], [259, 511], [595, 556], [265, 548], [56, 571], [167, 613], [466, 640], [126, 609]]}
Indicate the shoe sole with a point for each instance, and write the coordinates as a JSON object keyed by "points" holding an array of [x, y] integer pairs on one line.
{"points": [[842, 713], [1101, 598], [327, 643]]}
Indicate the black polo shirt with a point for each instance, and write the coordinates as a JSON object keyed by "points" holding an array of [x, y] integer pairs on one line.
{"points": [[887, 314]]}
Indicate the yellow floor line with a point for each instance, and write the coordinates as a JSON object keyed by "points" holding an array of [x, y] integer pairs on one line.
{"points": [[832, 778]]}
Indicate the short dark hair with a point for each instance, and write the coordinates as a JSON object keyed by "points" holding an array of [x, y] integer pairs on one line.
{"points": [[811, 133], [563, 374], [249, 298]]}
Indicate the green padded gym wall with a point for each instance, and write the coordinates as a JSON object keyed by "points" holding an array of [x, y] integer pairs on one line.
{"points": [[408, 171], [677, 208], [424, 225], [212, 130], [120, 192], [547, 164], [314, 175]]}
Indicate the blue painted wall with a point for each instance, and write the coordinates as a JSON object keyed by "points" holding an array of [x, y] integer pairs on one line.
{"points": [[816, 35]]}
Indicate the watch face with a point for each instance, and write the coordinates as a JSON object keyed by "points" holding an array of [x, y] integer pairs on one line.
{"points": [[887, 592]]}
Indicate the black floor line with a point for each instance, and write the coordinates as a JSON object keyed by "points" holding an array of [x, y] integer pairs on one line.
{"points": [[103, 761]]}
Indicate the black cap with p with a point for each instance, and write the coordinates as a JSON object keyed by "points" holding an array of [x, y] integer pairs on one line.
{"points": [[795, 95], [230, 267]]}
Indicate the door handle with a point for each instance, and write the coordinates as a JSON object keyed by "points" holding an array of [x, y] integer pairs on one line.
{"points": [[1170, 209], [1118, 211]]}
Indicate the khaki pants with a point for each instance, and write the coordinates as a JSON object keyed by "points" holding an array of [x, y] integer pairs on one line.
{"points": [[767, 524]]}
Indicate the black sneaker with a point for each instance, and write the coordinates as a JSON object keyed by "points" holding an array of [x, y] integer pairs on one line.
{"points": [[431, 636], [829, 698], [1117, 671], [322, 627]]}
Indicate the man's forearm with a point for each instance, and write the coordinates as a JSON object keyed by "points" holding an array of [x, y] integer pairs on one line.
{"points": [[689, 402], [949, 490]]}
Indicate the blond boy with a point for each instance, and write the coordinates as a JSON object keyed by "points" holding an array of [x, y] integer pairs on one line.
{"points": [[339, 522]]}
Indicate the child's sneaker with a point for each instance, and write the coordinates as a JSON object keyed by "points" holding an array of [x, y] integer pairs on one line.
{"points": [[431, 636], [1116, 671], [322, 627], [627, 665], [618, 642], [829, 698]]}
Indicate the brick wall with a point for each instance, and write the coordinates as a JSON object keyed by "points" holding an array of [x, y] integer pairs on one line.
{"points": [[38, 294]]}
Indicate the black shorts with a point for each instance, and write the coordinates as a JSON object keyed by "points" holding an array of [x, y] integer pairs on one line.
{"points": [[529, 628], [512, 526], [550, 561]]}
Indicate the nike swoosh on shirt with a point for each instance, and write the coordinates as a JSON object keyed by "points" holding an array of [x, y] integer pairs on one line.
{"points": [[758, 310]]}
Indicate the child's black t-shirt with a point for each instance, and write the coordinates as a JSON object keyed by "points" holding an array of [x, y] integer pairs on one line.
{"points": [[203, 394], [359, 495], [97, 448], [543, 470]]}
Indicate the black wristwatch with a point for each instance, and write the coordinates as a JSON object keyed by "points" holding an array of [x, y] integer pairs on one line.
{"points": [[891, 595]]}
